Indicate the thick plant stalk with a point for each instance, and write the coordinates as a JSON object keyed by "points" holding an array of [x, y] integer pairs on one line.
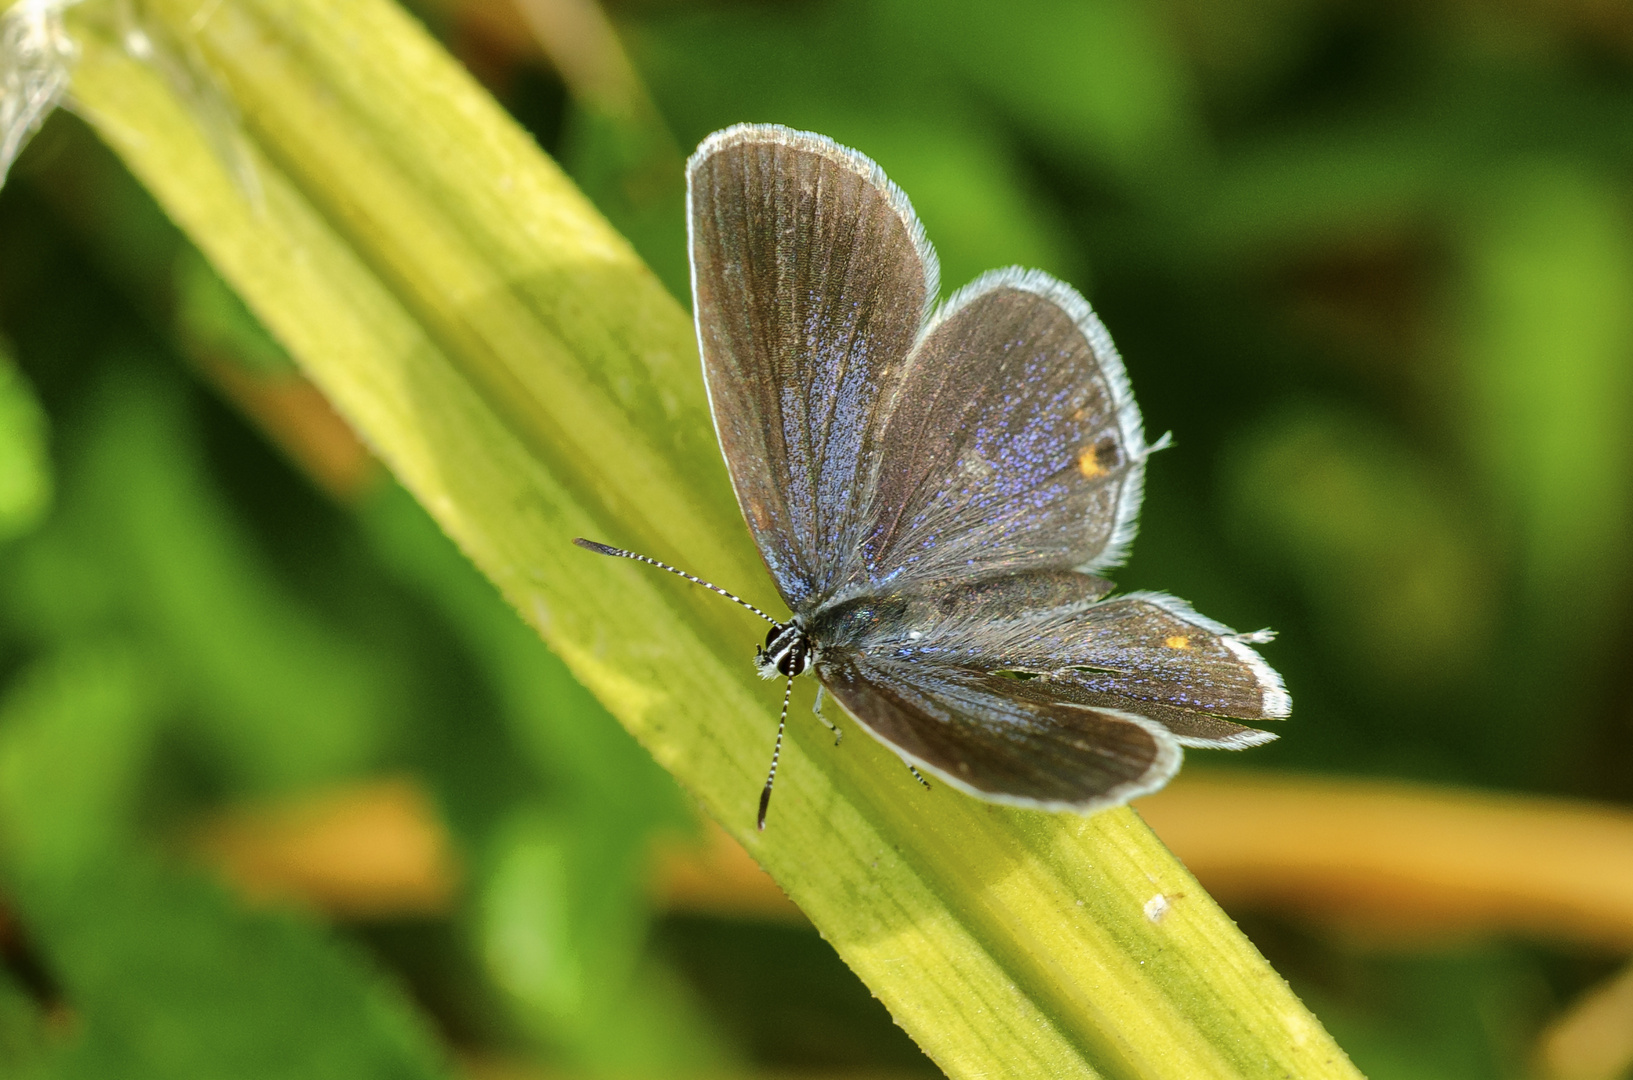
{"points": [[529, 380]]}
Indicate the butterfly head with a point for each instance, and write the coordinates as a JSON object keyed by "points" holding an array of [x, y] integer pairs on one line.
{"points": [[787, 651]]}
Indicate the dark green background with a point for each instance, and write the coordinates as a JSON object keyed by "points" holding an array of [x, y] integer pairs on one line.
{"points": [[1371, 263]]}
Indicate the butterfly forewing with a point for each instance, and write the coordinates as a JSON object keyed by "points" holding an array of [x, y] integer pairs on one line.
{"points": [[810, 281], [1014, 445]]}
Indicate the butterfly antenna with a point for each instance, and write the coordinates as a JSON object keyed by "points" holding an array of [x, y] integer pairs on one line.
{"points": [[620, 553], [776, 752]]}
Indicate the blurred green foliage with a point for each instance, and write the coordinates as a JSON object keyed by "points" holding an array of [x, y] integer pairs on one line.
{"points": [[1373, 265], [25, 465]]}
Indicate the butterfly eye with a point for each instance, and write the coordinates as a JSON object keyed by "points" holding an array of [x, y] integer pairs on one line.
{"points": [[786, 648], [792, 661]]}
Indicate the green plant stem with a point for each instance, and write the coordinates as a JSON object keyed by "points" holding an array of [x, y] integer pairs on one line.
{"points": [[529, 380]]}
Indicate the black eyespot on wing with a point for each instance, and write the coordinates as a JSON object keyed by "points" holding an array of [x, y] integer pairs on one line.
{"points": [[1100, 459]]}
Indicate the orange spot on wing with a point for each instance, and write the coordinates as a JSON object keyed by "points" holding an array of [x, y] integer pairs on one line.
{"points": [[1098, 460], [1178, 641]]}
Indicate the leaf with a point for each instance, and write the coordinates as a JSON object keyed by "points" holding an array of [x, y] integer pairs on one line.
{"points": [[529, 381]]}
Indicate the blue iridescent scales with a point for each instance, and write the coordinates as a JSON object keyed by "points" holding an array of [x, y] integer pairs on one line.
{"points": [[934, 491]]}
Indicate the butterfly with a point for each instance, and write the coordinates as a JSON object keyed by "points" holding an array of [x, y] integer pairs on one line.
{"points": [[936, 489]]}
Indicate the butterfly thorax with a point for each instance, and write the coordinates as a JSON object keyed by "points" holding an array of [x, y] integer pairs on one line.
{"points": [[858, 618], [792, 647]]}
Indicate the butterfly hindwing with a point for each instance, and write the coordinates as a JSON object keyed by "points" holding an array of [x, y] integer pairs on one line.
{"points": [[1000, 740], [1055, 637], [1154, 648]]}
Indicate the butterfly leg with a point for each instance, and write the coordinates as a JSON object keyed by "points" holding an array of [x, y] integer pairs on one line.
{"points": [[829, 724], [919, 777], [776, 752]]}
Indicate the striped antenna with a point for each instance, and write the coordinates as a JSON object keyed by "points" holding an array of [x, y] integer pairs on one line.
{"points": [[776, 752], [620, 553]]}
